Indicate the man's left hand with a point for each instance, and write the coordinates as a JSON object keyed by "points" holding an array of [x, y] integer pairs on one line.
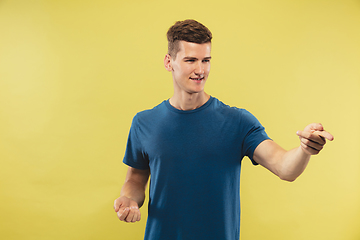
{"points": [[313, 138]]}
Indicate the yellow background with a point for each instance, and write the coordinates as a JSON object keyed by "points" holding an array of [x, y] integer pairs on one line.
{"points": [[74, 73]]}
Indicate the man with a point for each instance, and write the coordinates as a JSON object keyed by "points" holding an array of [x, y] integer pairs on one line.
{"points": [[193, 144]]}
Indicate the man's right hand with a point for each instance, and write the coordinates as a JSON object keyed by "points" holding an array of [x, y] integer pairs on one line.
{"points": [[127, 209]]}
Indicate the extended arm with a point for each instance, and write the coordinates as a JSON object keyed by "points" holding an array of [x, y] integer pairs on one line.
{"points": [[288, 165], [132, 195]]}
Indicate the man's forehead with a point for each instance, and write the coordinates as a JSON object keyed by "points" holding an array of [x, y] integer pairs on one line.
{"points": [[190, 48]]}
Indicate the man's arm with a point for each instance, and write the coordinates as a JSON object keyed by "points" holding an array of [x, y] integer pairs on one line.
{"points": [[132, 195], [288, 165]]}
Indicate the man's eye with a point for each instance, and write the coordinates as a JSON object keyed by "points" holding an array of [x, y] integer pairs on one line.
{"points": [[207, 60], [190, 60]]}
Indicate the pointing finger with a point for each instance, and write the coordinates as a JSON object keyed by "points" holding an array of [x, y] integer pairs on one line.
{"points": [[326, 135], [307, 137], [304, 134]]}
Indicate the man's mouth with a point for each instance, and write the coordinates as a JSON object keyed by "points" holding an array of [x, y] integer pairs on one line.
{"points": [[197, 79]]}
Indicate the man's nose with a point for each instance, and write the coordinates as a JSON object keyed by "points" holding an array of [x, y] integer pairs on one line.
{"points": [[199, 70]]}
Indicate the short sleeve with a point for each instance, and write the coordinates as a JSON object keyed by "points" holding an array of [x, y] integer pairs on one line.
{"points": [[254, 134], [135, 155]]}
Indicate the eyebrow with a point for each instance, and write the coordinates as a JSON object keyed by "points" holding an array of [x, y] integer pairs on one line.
{"points": [[194, 58]]}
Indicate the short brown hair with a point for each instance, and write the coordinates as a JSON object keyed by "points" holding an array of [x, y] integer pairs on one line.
{"points": [[188, 30]]}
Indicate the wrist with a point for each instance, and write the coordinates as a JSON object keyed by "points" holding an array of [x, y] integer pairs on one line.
{"points": [[303, 152]]}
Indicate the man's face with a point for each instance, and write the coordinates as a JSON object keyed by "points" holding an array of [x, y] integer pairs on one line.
{"points": [[191, 67]]}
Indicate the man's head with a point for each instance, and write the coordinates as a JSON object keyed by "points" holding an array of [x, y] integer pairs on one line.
{"points": [[189, 56], [189, 31]]}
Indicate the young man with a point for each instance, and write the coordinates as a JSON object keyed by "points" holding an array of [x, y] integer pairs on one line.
{"points": [[193, 144]]}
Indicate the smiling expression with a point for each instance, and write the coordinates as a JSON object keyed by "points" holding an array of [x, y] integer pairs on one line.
{"points": [[191, 67]]}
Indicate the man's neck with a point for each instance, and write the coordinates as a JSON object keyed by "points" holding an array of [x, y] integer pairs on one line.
{"points": [[188, 101]]}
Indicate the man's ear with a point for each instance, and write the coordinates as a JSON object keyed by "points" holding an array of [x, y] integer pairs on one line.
{"points": [[167, 62]]}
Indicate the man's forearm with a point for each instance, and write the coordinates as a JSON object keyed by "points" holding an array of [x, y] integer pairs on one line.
{"points": [[134, 191], [292, 164]]}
